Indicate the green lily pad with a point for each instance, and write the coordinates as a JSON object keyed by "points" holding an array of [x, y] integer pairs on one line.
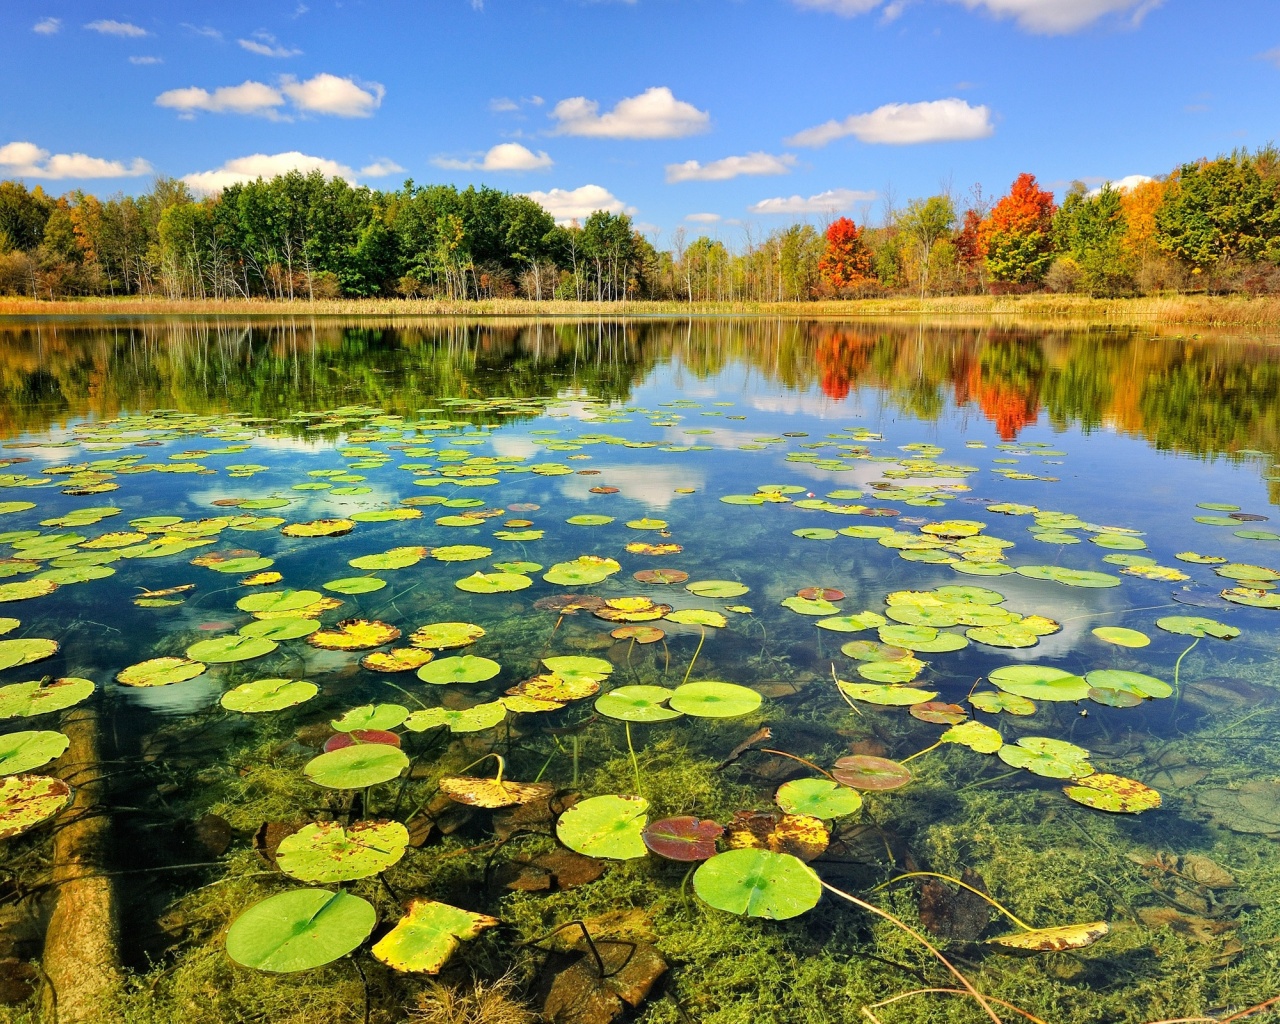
{"points": [[605, 826], [358, 766], [28, 800], [25, 751], [299, 930], [1198, 626], [1113, 793], [814, 533], [820, 798], [994, 703], [424, 939], [1129, 682], [938, 616], [14, 653], [977, 737], [1040, 682], [224, 650], [1053, 759], [464, 669], [1011, 635], [578, 666], [493, 583], [396, 558], [1122, 637], [278, 601], [473, 719], [460, 552], [352, 585], [637, 704], [851, 623], [242, 565], [714, 700], [26, 700], [758, 883], [160, 672], [809, 606], [697, 617], [280, 629], [589, 520], [441, 636], [325, 851], [24, 590], [585, 571], [371, 716], [716, 588], [1251, 598], [268, 695], [922, 639], [900, 670], [887, 695], [647, 524]]}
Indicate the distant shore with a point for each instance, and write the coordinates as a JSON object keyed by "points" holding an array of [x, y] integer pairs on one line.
{"points": [[1172, 311]]}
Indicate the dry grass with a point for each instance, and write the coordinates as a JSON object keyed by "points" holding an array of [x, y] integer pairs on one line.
{"points": [[1176, 310]]}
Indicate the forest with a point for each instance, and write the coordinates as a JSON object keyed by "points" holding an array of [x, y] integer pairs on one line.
{"points": [[1210, 227]]}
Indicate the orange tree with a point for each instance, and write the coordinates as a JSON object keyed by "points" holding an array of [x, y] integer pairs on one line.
{"points": [[847, 261], [1017, 235]]}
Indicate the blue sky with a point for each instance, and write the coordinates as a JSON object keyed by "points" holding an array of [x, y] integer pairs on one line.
{"points": [[711, 114]]}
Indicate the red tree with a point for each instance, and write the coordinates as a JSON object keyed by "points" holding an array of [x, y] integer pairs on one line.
{"points": [[846, 263], [1016, 236]]}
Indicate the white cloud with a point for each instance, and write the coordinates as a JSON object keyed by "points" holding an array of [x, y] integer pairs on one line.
{"points": [[1052, 17], [380, 169], [566, 205], [1271, 55], [47, 26], [903, 124], [329, 94], [246, 98], [503, 105], [203, 30], [844, 8], [506, 156], [260, 165], [1129, 181], [27, 160], [703, 218], [832, 201], [731, 167], [144, 61], [654, 114], [124, 29], [264, 44]]}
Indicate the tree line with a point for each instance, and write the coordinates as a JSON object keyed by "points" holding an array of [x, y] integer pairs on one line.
{"points": [[1210, 225]]}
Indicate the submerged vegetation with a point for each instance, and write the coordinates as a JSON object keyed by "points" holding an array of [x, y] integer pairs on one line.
{"points": [[406, 680]]}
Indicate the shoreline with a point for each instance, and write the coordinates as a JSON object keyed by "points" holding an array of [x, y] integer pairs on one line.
{"points": [[1040, 309]]}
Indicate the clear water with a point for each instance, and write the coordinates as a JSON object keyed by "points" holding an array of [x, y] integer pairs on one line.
{"points": [[1118, 428]]}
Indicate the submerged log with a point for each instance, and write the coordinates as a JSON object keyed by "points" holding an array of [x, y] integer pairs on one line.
{"points": [[81, 949]]}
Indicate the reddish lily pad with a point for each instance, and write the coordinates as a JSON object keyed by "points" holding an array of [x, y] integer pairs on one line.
{"points": [[684, 838]]}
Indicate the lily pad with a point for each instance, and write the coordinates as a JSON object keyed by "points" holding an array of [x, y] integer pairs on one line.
{"points": [[280, 629], [1136, 683], [493, 793], [584, 571], [460, 552], [268, 695], [717, 588], [28, 800], [807, 606], [464, 669], [872, 774], [401, 659], [160, 672], [1197, 626], [493, 583], [1122, 637], [851, 623], [278, 601], [473, 719], [424, 939], [1113, 793], [225, 650], [24, 590], [443, 636], [26, 700], [610, 827], [1052, 940], [300, 929], [993, 703], [14, 653], [758, 883], [355, 635], [25, 751], [819, 798], [637, 704], [366, 764], [371, 716], [714, 700], [697, 617], [1040, 682], [325, 851], [684, 838], [352, 585], [977, 737], [1054, 759], [319, 528]]}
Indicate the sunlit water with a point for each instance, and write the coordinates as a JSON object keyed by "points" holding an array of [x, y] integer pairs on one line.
{"points": [[911, 426]]}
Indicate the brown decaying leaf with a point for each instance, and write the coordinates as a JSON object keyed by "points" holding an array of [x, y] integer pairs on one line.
{"points": [[952, 912], [491, 793], [800, 835], [1051, 940]]}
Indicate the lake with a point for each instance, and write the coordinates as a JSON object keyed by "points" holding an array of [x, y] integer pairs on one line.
{"points": [[362, 670]]}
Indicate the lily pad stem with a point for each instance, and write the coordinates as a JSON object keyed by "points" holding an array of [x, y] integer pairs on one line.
{"points": [[698, 650], [810, 764], [635, 765], [1177, 672], [963, 885], [921, 753]]}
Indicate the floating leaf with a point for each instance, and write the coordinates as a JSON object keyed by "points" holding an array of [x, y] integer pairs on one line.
{"points": [[852, 623], [637, 704], [660, 577], [981, 739], [396, 558], [402, 659], [25, 589], [1198, 626], [474, 719], [325, 851], [1251, 598], [25, 751], [320, 528], [355, 635], [278, 601], [371, 716], [28, 800], [801, 835], [684, 838], [717, 588], [479, 792], [585, 571], [1054, 759], [605, 826], [442, 636], [578, 666], [224, 650], [875, 774], [465, 669], [938, 713], [300, 929], [493, 583], [640, 634], [758, 883], [1135, 683], [714, 700], [1040, 682], [819, 798], [1113, 793], [355, 585], [1052, 940], [280, 629], [268, 695], [160, 672], [460, 552], [424, 939], [1122, 637], [14, 653], [897, 670], [26, 700], [589, 520], [806, 606], [366, 764], [697, 617], [994, 703], [1013, 636]]}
